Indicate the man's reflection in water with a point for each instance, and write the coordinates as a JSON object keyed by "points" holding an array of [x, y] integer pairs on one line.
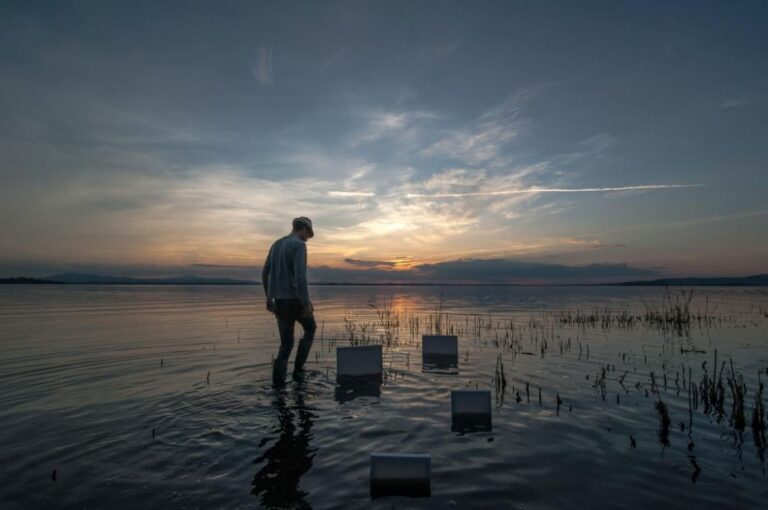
{"points": [[277, 482]]}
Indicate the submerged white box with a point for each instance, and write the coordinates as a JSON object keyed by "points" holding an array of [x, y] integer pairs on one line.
{"points": [[414, 467], [475, 403], [359, 361], [441, 345]]}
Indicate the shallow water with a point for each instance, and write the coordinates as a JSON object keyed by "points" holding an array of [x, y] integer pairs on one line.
{"points": [[87, 373]]}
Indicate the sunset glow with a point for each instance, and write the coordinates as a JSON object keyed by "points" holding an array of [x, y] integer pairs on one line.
{"points": [[405, 150]]}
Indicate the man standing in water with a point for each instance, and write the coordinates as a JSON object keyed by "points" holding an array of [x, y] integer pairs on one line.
{"points": [[284, 276]]}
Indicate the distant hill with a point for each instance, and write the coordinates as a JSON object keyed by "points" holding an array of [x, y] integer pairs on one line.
{"points": [[736, 281], [96, 279], [24, 280], [89, 279]]}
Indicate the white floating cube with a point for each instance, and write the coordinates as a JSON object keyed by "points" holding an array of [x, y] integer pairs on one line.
{"points": [[471, 402], [359, 361], [400, 474], [440, 345]]}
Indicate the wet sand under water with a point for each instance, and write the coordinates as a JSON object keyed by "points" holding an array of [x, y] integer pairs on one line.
{"points": [[148, 397]]}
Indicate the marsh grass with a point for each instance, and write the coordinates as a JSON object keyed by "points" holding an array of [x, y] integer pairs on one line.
{"points": [[664, 421], [716, 390], [673, 316], [758, 421], [499, 381], [738, 393]]}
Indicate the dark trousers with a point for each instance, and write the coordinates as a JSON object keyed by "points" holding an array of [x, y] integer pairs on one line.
{"points": [[288, 312]]}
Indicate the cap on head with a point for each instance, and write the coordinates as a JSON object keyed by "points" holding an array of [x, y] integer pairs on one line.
{"points": [[303, 221]]}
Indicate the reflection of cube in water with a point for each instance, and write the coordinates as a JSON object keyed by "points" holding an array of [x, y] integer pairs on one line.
{"points": [[360, 362], [471, 410], [359, 387], [440, 350], [400, 474]]}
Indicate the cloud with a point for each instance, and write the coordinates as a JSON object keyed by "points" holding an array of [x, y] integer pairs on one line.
{"points": [[351, 194], [509, 270], [262, 67], [601, 245], [222, 266], [215, 213], [484, 141], [370, 263], [401, 131], [381, 123], [499, 270], [734, 103], [536, 190]]}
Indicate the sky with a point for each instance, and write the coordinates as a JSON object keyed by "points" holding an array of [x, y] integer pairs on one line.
{"points": [[454, 141]]}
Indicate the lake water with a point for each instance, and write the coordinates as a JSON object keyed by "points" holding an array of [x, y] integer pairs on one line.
{"points": [[160, 396]]}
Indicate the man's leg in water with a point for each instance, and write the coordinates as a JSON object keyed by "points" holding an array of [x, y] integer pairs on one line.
{"points": [[285, 325], [305, 344]]}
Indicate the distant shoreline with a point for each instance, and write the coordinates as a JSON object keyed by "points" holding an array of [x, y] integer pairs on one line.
{"points": [[747, 281]]}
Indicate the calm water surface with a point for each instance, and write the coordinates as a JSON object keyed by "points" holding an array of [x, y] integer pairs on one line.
{"points": [[89, 373]]}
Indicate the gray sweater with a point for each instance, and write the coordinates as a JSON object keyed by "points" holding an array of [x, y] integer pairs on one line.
{"points": [[284, 274]]}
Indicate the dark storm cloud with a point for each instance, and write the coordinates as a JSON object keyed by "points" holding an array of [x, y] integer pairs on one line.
{"points": [[370, 263]]}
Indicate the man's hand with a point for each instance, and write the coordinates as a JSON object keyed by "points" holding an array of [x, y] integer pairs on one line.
{"points": [[270, 306], [308, 310]]}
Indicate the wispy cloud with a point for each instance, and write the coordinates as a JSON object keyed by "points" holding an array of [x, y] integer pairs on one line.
{"points": [[484, 141], [403, 127], [734, 103], [535, 190], [262, 67], [351, 194]]}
